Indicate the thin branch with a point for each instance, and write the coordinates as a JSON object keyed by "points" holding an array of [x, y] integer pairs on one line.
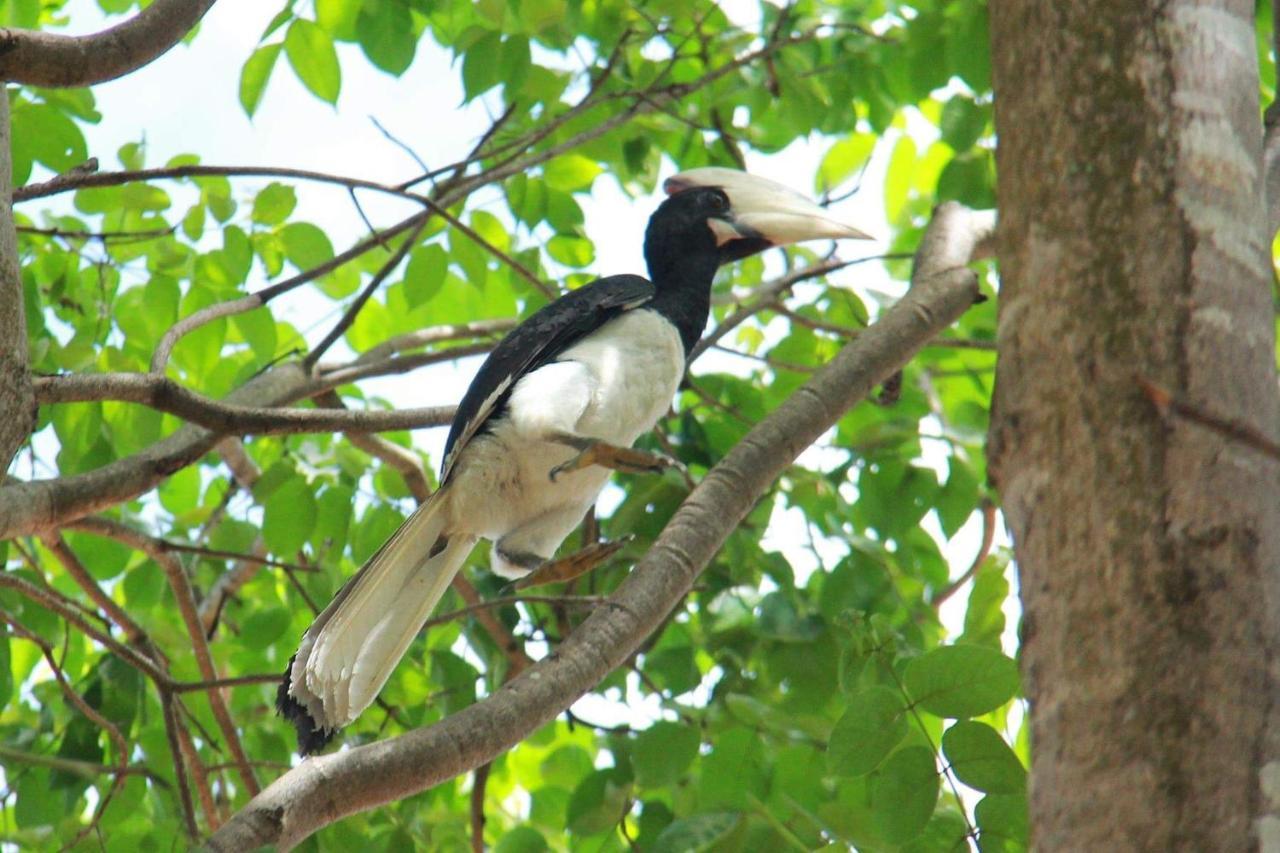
{"points": [[118, 742], [99, 236], [302, 801], [183, 752], [1235, 430], [53, 601], [431, 335], [164, 394], [767, 295], [81, 179], [256, 300], [36, 58], [181, 586], [349, 316], [988, 536], [77, 571]]}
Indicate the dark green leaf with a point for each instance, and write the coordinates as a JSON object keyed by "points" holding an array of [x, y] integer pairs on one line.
{"points": [[904, 793], [663, 752], [873, 724], [982, 760], [961, 681]]}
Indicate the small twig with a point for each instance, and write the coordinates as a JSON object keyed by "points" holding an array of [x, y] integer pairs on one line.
{"points": [[1235, 430], [100, 236], [988, 510], [349, 316], [399, 143], [163, 394], [256, 300]]}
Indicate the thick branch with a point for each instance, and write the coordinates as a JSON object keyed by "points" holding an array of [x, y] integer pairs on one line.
{"points": [[161, 393], [35, 507], [46, 59], [302, 801]]}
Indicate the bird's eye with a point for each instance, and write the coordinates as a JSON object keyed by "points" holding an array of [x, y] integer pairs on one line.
{"points": [[718, 202]]}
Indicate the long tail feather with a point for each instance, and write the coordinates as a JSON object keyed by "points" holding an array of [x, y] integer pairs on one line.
{"points": [[350, 650]]}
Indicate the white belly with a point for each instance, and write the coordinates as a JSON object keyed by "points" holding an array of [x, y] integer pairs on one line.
{"points": [[613, 386]]}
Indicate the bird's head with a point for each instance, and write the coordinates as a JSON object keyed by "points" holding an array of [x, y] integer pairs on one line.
{"points": [[732, 215]]}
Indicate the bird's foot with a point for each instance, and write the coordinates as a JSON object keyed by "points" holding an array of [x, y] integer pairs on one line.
{"points": [[571, 566], [626, 459]]}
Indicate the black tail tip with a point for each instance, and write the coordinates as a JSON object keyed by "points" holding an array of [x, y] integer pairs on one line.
{"points": [[311, 737]]}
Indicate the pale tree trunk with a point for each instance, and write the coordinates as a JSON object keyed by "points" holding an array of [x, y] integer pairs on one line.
{"points": [[17, 403], [1133, 247]]}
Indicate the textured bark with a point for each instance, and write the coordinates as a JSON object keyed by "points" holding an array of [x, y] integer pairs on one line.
{"points": [[45, 59], [17, 403], [1133, 244], [325, 788]]}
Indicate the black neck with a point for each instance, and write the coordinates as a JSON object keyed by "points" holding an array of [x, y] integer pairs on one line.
{"points": [[683, 285]]}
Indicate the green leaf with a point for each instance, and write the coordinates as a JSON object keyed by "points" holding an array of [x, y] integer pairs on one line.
{"points": [[273, 204], [962, 122], [571, 251], [386, 35], [904, 794], [1003, 823], [873, 724], [842, 159], [571, 172], [254, 76], [961, 681], [480, 66], [663, 752], [312, 55], [424, 274], [697, 833], [305, 245], [288, 517], [264, 626], [982, 760], [338, 17], [984, 617], [522, 839], [598, 802]]}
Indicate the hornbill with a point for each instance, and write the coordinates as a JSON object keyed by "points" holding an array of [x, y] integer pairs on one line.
{"points": [[557, 403]]}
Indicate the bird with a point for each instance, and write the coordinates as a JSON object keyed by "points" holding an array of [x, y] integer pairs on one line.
{"points": [[555, 406]]}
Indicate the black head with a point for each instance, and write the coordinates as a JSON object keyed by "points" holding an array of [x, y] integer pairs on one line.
{"points": [[692, 228]]}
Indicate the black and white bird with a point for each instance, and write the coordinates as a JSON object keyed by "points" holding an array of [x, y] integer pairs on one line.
{"points": [[558, 402]]}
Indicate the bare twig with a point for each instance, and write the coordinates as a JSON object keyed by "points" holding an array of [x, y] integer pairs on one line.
{"points": [[163, 394], [349, 316], [207, 315], [988, 536]]}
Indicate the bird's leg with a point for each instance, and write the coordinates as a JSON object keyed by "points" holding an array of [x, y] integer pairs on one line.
{"points": [[564, 569], [593, 451]]}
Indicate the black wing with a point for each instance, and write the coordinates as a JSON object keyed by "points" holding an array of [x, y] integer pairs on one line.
{"points": [[535, 342]]}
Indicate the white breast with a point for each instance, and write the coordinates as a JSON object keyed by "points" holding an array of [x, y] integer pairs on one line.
{"points": [[613, 386], [637, 361]]}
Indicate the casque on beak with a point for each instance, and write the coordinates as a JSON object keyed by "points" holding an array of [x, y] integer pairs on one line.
{"points": [[760, 209]]}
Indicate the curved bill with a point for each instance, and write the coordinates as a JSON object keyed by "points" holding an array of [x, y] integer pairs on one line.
{"points": [[762, 209]]}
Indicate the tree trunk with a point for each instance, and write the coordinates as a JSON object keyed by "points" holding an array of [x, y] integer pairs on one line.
{"points": [[17, 403], [1132, 246]]}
